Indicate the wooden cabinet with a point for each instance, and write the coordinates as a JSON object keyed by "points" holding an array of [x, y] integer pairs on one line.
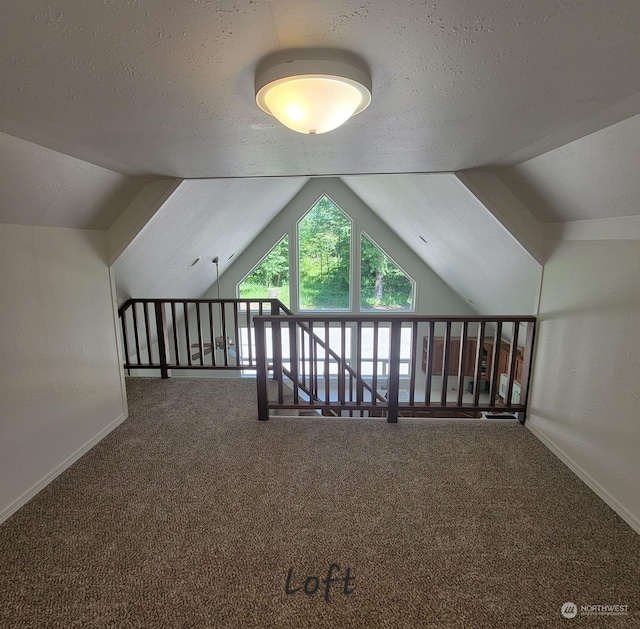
{"points": [[503, 362], [454, 356], [469, 364]]}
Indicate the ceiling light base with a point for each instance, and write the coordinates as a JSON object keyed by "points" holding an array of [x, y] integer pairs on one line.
{"points": [[313, 91]]}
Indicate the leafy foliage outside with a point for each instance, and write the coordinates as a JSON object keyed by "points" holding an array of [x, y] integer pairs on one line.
{"points": [[383, 285], [324, 237], [270, 278]]}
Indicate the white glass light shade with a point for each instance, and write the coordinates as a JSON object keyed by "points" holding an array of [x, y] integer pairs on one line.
{"points": [[313, 96]]}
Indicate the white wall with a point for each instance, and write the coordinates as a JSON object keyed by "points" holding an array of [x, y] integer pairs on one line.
{"points": [[61, 388], [585, 397]]}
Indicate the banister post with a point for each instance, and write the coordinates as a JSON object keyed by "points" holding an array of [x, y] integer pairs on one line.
{"points": [[526, 368], [293, 359], [161, 331], [393, 386], [261, 369]]}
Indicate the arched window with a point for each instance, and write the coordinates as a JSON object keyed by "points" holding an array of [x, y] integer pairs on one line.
{"points": [[324, 245], [326, 241]]}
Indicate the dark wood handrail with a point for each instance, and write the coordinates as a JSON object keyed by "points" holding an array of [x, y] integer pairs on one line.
{"points": [[474, 359], [389, 318], [148, 346], [179, 300]]}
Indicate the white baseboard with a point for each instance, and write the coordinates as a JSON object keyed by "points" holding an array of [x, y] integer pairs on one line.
{"points": [[600, 491], [8, 511]]}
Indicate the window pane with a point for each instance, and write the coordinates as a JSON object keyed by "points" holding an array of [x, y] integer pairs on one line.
{"points": [[383, 284], [270, 277], [324, 236]]}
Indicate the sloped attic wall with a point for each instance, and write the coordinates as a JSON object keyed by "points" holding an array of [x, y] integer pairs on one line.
{"points": [[465, 244], [470, 257], [433, 295], [200, 219]]}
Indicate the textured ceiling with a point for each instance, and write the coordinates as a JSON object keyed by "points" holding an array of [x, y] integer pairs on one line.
{"points": [[165, 87]]}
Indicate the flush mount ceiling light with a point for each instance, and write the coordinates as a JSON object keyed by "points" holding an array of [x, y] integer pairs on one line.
{"points": [[313, 91]]}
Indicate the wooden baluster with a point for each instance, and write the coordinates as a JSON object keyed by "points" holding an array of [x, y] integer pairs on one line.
{"points": [[359, 388], [174, 325], [462, 360], [303, 359], [163, 345], [212, 333], [374, 370], [526, 366], [277, 358], [293, 359], [445, 364], [414, 363], [261, 371], [200, 343], [495, 364], [125, 339], [223, 329], [312, 359], [429, 365], [393, 388], [236, 332], [327, 365], [477, 379], [513, 353], [342, 372], [249, 332], [147, 329]]}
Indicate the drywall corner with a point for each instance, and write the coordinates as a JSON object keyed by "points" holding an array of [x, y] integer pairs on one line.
{"points": [[139, 212], [489, 189]]}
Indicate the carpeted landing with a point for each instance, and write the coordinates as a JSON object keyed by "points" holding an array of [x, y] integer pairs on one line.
{"points": [[194, 514]]}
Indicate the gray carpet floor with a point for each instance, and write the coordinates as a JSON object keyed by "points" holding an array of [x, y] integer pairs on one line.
{"points": [[193, 514]]}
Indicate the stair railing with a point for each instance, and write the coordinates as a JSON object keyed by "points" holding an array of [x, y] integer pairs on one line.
{"points": [[468, 365], [198, 334], [317, 345]]}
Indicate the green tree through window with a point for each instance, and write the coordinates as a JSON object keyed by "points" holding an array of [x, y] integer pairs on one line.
{"points": [[324, 237], [270, 277], [383, 284]]}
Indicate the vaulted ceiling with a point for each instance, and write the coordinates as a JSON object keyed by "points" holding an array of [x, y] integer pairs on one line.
{"points": [[99, 98]]}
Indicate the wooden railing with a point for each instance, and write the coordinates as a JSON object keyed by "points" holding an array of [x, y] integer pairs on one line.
{"points": [[200, 334], [394, 365], [375, 365]]}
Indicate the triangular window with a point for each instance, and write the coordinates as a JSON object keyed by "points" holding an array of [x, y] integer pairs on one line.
{"points": [[270, 277], [383, 284], [325, 239]]}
